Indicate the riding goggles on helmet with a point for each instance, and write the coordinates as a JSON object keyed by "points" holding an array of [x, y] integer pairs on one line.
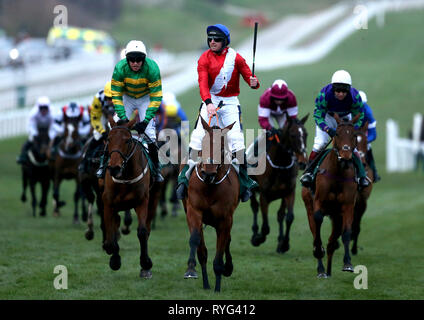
{"points": [[341, 87]]}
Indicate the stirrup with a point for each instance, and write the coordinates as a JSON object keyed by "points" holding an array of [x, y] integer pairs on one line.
{"points": [[306, 179], [158, 177], [100, 173]]}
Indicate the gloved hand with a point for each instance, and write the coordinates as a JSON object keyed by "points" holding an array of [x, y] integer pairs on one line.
{"points": [[140, 127], [271, 132], [104, 135], [331, 132]]}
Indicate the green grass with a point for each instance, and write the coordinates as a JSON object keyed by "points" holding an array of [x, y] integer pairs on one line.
{"points": [[386, 63]]}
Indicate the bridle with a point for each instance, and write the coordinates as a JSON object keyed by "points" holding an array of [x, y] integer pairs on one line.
{"points": [[344, 147], [125, 157]]}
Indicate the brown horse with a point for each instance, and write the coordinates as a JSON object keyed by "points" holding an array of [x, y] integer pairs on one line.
{"points": [[36, 170], [335, 196], [285, 154], [65, 166], [213, 195], [127, 186], [363, 194]]}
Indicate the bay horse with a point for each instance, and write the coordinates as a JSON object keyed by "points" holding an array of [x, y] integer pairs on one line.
{"points": [[65, 166], [213, 195], [284, 156], [92, 188], [363, 194], [36, 170], [335, 196], [127, 186]]}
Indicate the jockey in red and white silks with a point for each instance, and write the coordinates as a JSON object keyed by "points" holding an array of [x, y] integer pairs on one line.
{"points": [[219, 80]]}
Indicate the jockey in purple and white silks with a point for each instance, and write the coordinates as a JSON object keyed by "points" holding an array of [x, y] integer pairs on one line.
{"points": [[337, 97]]}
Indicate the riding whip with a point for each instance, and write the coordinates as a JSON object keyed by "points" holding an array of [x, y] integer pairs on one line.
{"points": [[254, 47]]}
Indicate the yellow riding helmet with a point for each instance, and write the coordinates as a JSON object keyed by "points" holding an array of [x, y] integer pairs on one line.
{"points": [[108, 89], [171, 110]]}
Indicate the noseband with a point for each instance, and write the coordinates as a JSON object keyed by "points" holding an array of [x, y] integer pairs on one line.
{"points": [[345, 147]]}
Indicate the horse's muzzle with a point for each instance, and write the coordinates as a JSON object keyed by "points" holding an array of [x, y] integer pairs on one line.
{"points": [[208, 177]]}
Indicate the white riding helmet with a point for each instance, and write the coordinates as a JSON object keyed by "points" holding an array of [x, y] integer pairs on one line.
{"points": [[43, 101], [169, 98], [135, 46], [363, 96], [341, 76]]}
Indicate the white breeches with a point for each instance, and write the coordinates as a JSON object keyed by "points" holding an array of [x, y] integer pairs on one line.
{"points": [[229, 113], [322, 137], [141, 104]]}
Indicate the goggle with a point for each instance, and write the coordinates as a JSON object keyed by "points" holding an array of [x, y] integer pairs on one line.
{"points": [[135, 59], [216, 39], [43, 107], [340, 88]]}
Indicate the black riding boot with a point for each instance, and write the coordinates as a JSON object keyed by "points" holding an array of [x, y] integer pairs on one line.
{"points": [[153, 153], [23, 157], [181, 190], [371, 162]]}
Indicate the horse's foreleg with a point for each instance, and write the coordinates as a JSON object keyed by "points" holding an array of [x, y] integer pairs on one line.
{"points": [[56, 203], [280, 218], [318, 251], [77, 195], [110, 244], [24, 185], [360, 207], [223, 238], [347, 213], [255, 208], [333, 242], [202, 255], [45, 185], [33, 197], [143, 232], [261, 237], [194, 222]]}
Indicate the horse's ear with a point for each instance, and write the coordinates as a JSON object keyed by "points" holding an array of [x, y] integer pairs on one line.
{"points": [[205, 124], [227, 128], [356, 118], [111, 121], [303, 120], [364, 128], [338, 120]]}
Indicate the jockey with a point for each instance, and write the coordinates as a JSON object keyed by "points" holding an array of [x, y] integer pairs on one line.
{"points": [[137, 85], [371, 134], [170, 113], [72, 110], [337, 97], [277, 102], [219, 69], [101, 108], [40, 117]]}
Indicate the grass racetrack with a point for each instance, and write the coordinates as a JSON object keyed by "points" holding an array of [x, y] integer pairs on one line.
{"points": [[387, 64]]}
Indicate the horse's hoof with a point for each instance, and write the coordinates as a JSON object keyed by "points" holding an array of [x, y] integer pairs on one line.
{"points": [[257, 240], [75, 221], [191, 274], [348, 267], [56, 214], [125, 231], [115, 262], [146, 274], [89, 235], [84, 217], [23, 198], [43, 213], [322, 275], [61, 204], [283, 248]]}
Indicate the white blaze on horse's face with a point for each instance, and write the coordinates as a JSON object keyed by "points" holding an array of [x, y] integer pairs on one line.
{"points": [[69, 138], [302, 143], [359, 139]]}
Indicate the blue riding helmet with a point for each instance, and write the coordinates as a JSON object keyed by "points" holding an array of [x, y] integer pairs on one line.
{"points": [[221, 28]]}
